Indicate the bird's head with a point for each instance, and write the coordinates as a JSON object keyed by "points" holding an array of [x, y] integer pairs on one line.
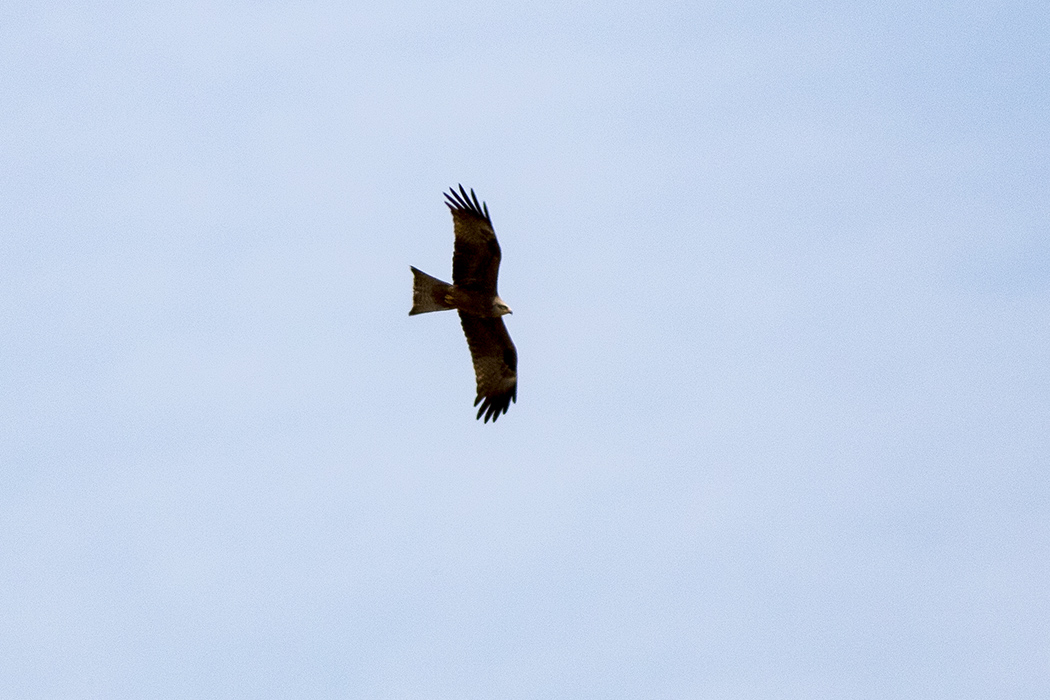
{"points": [[499, 307]]}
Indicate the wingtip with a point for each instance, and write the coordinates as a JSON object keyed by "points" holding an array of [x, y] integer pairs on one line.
{"points": [[462, 201], [494, 407]]}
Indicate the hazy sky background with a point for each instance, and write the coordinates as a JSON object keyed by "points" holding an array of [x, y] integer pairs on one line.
{"points": [[781, 281]]}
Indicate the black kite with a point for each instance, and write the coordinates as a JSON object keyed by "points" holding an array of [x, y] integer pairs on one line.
{"points": [[475, 267]]}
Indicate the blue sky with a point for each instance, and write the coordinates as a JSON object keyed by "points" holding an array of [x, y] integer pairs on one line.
{"points": [[781, 281]]}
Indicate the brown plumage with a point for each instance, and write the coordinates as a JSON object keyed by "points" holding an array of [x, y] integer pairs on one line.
{"points": [[475, 268]]}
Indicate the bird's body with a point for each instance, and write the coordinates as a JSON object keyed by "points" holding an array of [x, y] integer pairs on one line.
{"points": [[431, 294], [475, 269]]}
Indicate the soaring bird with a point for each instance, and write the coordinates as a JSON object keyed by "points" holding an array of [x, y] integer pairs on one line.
{"points": [[475, 267]]}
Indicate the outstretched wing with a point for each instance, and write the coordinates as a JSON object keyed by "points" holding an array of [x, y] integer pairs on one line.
{"points": [[495, 364], [475, 260]]}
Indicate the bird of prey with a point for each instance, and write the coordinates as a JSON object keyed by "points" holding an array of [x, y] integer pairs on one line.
{"points": [[475, 266]]}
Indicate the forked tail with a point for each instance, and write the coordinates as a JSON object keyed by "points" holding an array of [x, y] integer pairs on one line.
{"points": [[428, 293]]}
